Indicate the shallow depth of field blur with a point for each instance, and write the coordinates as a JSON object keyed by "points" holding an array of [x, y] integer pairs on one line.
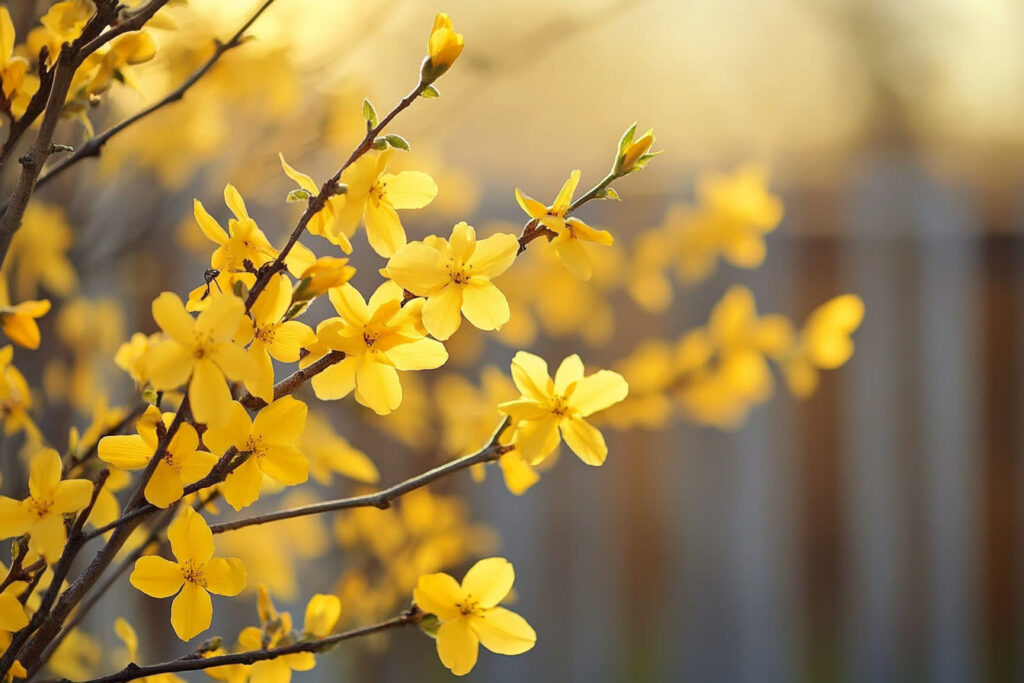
{"points": [[873, 531]]}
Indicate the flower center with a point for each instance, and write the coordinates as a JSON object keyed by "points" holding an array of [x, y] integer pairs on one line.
{"points": [[265, 334], [201, 347], [40, 506], [254, 445], [192, 572], [458, 272], [469, 606], [560, 406]]}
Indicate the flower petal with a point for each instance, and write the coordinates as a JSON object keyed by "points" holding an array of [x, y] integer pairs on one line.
{"points": [[191, 612], [384, 230], [489, 581], [418, 268], [281, 422], [441, 312], [439, 594], [156, 577], [484, 305], [530, 373], [209, 394], [165, 486], [457, 646], [422, 354], [44, 473], [241, 488], [285, 464], [190, 537], [408, 189], [377, 385], [598, 391], [585, 441], [503, 631], [225, 575], [169, 313], [494, 255], [168, 365], [336, 381], [569, 372], [128, 451], [531, 206], [535, 439]]}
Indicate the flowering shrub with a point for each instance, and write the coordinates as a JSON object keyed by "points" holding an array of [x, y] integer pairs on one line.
{"points": [[216, 413]]}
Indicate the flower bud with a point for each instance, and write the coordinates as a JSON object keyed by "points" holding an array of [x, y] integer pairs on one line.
{"points": [[443, 48], [634, 154]]}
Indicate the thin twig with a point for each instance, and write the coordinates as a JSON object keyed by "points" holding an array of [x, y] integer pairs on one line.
{"points": [[196, 662], [379, 499], [93, 147]]}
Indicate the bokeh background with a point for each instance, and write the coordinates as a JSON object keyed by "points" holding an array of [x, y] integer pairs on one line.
{"points": [[873, 532]]}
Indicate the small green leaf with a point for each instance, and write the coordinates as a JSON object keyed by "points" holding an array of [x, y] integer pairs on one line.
{"points": [[430, 625], [430, 92], [150, 396], [380, 144], [609, 193], [299, 195], [397, 141], [369, 113]]}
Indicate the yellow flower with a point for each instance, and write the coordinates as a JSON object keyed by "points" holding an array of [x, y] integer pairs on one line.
{"points": [[100, 68], [12, 613], [325, 221], [197, 573], [633, 155], [200, 351], [183, 464], [548, 407], [41, 515], [15, 397], [455, 275], [570, 233], [277, 632], [38, 254], [374, 194], [379, 338], [17, 84], [443, 47], [322, 614], [19, 322], [271, 336], [132, 356], [325, 273], [62, 23], [269, 439], [470, 616], [824, 343]]}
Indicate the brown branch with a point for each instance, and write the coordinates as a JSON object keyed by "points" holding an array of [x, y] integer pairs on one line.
{"points": [[292, 382], [327, 190], [196, 662], [379, 499], [93, 147], [74, 543]]}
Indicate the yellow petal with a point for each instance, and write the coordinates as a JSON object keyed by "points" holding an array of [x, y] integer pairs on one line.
{"points": [[457, 646], [569, 372], [44, 473], [519, 476], [191, 612], [129, 452], [536, 439], [574, 256], [210, 227], [377, 385], [441, 312], [530, 373], [234, 201], [285, 464], [494, 255], [170, 314], [281, 422], [384, 230], [12, 614], [439, 594], [336, 381], [169, 364], [418, 268], [225, 575], [273, 301], [582, 231], [422, 354], [220, 319], [484, 305], [15, 517], [190, 537], [301, 179], [503, 631], [232, 432], [21, 329], [165, 486], [260, 383], [194, 465], [585, 441], [322, 613], [71, 495], [241, 488], [489, 581], [156, 577], [598, 391], [408, 189], [564, 197], [531, 206], [209, 394], [289, 340]]}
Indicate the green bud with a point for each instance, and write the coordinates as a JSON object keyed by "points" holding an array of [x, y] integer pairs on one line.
{"points": [[299, 195], [430, 92], [369, 113], [397, 141]]}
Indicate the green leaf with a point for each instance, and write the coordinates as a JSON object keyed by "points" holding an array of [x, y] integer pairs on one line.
{"points": [[380, 144], [430, 92], [430, 625], [369, 113], [609, 193], [299, 195], [397, 141]]}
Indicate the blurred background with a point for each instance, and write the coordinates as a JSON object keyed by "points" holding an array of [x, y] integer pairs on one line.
{"points": [[870, 532]]}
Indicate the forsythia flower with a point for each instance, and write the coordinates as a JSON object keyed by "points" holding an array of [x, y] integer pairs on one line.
{"points": [[12, 613], [19, 322], [470, 616], [379, 338], [17, 84], [548, 407], [200, 351], [15, 397], [375, 194], [130, 639], [570, 233], [322, 613], [271, 336], [633, 155], [41, 515], [269, 439], [824, 343], [197, 573], [182, 464], [325, 221], [455, 275], [325, 273], [443, 47]]}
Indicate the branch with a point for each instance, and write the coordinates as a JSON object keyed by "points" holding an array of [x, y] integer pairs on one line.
{"points": [[292, 382], [380, 499], [93, 147], [327, 190], [196, 662]]}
